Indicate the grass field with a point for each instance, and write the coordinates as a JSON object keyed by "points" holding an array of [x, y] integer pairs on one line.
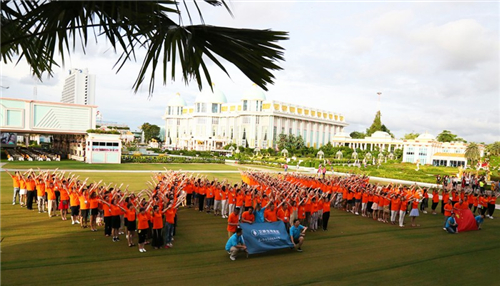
{"points": [[37, 250]]}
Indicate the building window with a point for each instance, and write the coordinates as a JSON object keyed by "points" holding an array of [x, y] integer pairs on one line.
{"points": [[231, 133], [215, 120], [256, 105], [275, 130], [215, 108], [245, 120], [257, 119], [245, 105], [203, 107]]}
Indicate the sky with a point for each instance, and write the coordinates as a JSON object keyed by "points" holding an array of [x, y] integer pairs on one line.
{"points": [[437, 66]]}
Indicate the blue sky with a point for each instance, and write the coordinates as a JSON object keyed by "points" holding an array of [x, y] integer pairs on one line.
{"points": [[436, 64]]}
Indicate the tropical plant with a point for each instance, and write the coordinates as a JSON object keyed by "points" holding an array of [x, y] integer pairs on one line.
{"points": [[39, 31], [493, 149], [447, 136], [472, 153]]}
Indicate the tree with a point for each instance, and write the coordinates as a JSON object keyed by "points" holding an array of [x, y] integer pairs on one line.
{"points": [[472, 153], [357, 135], [447, 136], [41, 30], [327, 149], [377, 126], [150, 131], [494, 149], [410, 136], [290, 142]]}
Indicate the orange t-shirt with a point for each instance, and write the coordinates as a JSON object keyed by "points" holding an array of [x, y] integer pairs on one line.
{"points": [[73, 199], [40, 189], [233, 218], [239, 200], [217, 194], [157, 220], [143, 221], [326, 206], [395, 204], [15, 181], [284, 215], [247, 216], [30, 185], [51, 194], [435, 197], [94, 203], [130, 214], [84, 202], [170, 216], [447, 210], [63, 195], [270, 215]]}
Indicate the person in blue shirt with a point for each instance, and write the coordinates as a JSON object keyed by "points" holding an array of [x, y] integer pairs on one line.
{"points": [[297, 234], [235, 244], [479, 221], [451, 224], [259, 212]]}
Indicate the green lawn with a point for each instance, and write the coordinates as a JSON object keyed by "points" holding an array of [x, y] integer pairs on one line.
{"points": [[37, 250]]}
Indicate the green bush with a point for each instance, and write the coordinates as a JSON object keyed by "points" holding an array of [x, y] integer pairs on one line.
{"points": [[168, 159]]}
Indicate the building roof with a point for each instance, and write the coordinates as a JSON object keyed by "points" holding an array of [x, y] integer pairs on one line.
{"points": [[209, 96], [254, 93], [456, 155], [381, 134], [425, 136], [176, 100]]}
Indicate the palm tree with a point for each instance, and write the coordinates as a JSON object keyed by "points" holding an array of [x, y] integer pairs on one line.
{"points": [[472, 153], [37, 31]]}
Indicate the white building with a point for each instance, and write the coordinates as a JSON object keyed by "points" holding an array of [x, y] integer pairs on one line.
{"points": [[79, 87], [379, 140], [427, 150], [211, 123]]}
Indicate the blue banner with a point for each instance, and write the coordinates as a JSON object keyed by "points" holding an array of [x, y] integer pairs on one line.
{"points": [[262, 237]]}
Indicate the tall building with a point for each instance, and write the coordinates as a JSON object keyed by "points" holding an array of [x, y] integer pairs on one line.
{"points": [[255, 122], [79, 87]]}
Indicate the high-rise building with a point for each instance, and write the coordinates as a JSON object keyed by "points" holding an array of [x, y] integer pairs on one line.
{"points": [[79, 87]]}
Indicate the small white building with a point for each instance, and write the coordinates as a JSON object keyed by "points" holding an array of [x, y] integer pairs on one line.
{"points": [[379, 140], [426, 150], [103, 148]]}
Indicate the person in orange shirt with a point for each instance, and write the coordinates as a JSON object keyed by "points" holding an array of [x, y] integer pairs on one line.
{"points": [[84, 208], [217, 200], [233, 222], [284, 215], [248, 216], [444, 200], [94, 210], [130, 212], [402, 211], [30, 192], [169, 227], [40, 194], [142, 226], [16, 178], [435, 200], [414, 213], [270, 214], [74, 204], [157, 227], [224, 202], [22, 191], [448, 209], [209, 197], [64, 202], [491, 204], [202, 191], [395, 207], [51, 198]]}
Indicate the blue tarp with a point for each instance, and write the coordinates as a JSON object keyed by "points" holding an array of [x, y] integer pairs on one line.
{"points": [[263, 237]]}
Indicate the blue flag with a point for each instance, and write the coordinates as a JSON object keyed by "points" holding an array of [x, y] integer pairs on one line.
{"points": [[262, 237]]}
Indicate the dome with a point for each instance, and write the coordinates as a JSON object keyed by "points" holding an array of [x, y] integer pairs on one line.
{"points": [[380, 134], [426, 136], [342, 135], [254, 93], [177, 100], [211, 97]]}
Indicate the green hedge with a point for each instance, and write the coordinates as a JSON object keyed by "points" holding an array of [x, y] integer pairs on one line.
{"points": [[167, 159]]}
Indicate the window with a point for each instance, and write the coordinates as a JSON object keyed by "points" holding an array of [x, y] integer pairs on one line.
{"points": [[275, 130], [215, 120], [256, 105], [245, 105], [289, 131], [257, 120], [215, 108], [203, 107], [245, 120], [231, 133], [178, 121]]}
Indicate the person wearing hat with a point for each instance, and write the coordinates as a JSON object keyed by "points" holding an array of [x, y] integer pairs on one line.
{"points": [[451, 224]]}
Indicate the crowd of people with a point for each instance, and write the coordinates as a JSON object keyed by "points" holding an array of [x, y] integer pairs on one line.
{"points": [[303, 203]]}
